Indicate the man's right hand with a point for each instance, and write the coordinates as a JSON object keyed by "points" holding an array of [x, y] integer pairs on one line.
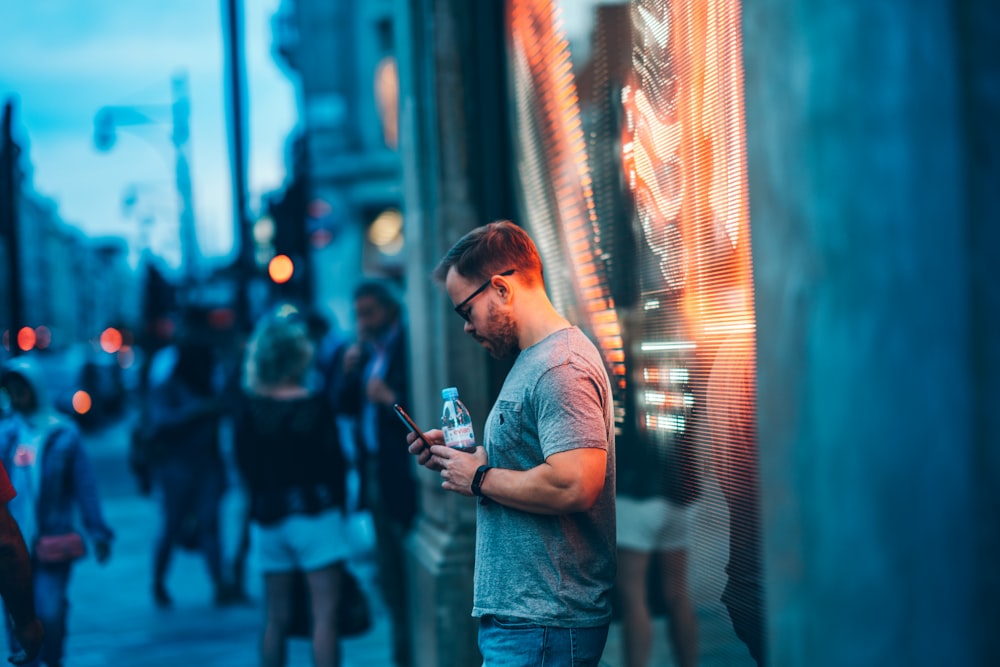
{"points": [[29, 636], [422, 451]]}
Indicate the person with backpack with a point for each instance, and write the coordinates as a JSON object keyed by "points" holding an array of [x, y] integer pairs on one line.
{"points": [[51, 471]]}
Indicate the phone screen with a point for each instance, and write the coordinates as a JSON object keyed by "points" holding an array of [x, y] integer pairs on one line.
{"points": [[410, 424]]}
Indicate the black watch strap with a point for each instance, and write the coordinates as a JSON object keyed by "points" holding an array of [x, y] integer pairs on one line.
{"points": [[477, 480]]}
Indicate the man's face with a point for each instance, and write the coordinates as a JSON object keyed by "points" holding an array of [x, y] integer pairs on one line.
{"points": [[373, 318], [487, 321]]}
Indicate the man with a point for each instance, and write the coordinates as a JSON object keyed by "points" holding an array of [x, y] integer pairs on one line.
{"points": [[15, 580], [375, 375], [545, 536]]}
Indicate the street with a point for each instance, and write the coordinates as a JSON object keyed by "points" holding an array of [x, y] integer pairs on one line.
{"points": [[113, 619]]}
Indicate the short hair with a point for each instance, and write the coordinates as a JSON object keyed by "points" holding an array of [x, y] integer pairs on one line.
{"points": [[280, 350], [491, 249], [379, 291]]}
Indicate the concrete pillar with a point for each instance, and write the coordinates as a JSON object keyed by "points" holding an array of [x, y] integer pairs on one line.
{"points": [[442, 158], [873, 168]]}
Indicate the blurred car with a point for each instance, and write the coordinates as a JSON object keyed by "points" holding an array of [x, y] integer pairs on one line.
{"points": [[85, 382]]}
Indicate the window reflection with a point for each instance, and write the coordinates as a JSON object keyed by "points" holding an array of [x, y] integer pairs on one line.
{"points": [[629, 135]]}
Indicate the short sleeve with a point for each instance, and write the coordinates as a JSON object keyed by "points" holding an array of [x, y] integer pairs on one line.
{"points": [[571, 410], [7, 491]]}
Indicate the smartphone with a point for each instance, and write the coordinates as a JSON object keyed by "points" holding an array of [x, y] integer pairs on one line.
{"points": [[410, 424]]}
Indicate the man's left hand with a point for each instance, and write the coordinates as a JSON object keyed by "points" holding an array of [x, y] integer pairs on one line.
{"points": [[458, 467]]}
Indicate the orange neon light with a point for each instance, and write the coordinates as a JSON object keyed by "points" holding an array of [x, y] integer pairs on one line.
{"points": [[697, 226], [540, 47]]}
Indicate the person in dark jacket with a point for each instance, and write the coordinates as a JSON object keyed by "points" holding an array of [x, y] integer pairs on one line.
{"points": [[288, 451], [375, 376], [50, 468], [181, 427]]}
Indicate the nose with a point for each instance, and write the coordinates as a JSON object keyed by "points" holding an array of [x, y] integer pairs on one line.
{"points": [[468, 328]]}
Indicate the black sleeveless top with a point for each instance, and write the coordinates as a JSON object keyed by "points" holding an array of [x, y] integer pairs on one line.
{"points": [[289, 453]]}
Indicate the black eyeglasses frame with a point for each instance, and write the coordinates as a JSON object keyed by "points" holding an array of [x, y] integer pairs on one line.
{"points": [[464, 312]]}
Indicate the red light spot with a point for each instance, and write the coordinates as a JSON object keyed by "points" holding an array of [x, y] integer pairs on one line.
{"points": [[26, 339], [111, 340], [82, 402]]}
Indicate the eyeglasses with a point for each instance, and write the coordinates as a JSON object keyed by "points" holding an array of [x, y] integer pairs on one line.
{"points": [[464, 312]]}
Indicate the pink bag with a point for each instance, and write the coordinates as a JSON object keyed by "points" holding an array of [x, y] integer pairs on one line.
{"points": [[59, 548]]}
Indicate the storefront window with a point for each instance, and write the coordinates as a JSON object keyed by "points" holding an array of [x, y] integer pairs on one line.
{"points": [[630, 146]]}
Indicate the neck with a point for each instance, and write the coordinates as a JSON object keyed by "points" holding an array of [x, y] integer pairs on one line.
{"points": [[541, 321]]}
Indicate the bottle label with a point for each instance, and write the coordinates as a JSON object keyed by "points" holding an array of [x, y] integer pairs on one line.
{"points": [[460, 437]]}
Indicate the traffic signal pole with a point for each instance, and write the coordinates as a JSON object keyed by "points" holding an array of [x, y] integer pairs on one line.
{"points": [[237, 153], [9, 190]]}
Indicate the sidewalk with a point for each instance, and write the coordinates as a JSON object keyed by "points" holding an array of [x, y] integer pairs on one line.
{"points": [[113, 620]]}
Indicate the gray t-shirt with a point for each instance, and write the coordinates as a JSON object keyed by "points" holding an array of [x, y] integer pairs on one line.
{"points": [[552, 570]]}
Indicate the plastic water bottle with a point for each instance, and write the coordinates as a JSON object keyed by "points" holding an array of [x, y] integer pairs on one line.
{"points": [[456, 422]]}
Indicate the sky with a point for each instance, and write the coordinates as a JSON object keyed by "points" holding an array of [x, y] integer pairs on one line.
{"points": [[61, 61]]}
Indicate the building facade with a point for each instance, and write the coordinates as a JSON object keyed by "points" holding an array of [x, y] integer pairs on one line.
{"points": [[342, 56], [782, 246]]}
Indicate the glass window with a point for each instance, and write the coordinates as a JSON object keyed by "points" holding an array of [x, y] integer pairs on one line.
{"points": [[630, 146]]}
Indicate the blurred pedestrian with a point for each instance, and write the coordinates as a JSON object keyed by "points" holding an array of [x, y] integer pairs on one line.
{"points": [[374, 377], [15, 580], [657, 485], [51, 470], [545, 529], [181, 420], [655, 532], [732, 409], [288, 451]]}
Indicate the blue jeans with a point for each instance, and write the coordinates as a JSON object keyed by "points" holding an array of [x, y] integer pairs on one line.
{"points": [[51, 607], [515, 643]]}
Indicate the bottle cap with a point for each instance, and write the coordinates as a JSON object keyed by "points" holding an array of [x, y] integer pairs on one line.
{"points": [[449, 393]]}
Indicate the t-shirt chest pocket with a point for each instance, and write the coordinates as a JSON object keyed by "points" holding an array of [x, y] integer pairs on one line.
{"points": [[504, 429]]}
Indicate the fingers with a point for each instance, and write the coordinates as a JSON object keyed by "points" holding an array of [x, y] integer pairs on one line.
{"points": [[19, 658]]}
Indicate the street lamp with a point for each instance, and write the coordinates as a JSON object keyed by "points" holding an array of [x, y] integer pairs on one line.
{"points": [[111, 117]]}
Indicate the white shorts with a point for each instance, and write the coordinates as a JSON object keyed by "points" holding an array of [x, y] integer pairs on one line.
{"points": [[301, 542], [652, 524]]}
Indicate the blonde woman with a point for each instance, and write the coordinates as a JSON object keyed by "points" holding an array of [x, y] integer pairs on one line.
{"points": [[289, 454]]}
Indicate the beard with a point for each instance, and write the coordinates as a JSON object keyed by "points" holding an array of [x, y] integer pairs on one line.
{"points": [[503, 342]]}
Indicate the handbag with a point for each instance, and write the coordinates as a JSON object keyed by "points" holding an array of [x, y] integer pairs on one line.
{"points": [[353, 612], [354, 617], [59, 548]]}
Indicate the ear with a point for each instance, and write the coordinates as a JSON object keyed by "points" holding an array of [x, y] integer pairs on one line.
{"points": [[502, 286]]}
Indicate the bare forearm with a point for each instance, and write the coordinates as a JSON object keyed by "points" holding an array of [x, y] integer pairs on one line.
{"points": [[540, 490]]}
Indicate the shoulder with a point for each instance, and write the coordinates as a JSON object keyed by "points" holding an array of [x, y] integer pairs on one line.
{"points": [[570, 353]]}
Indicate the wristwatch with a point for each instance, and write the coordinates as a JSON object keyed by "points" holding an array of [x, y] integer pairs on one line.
{"points": [[477, 480]]}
